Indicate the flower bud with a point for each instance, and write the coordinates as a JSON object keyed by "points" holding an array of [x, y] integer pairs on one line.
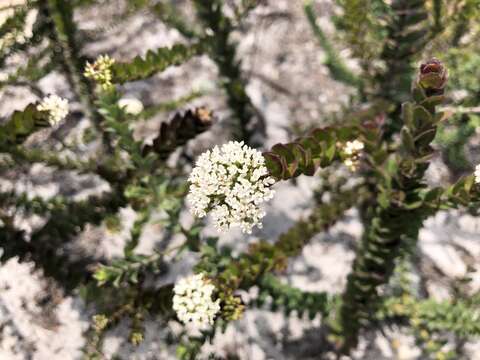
{"points": [[433, 76], [101, 71]]}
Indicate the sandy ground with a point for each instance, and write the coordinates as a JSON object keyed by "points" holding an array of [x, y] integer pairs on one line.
{"points": [[290, 86]]}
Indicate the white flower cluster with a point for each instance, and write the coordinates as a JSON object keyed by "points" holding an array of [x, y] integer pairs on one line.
{"points": [[131, 105], [193, 300], [477, 174], [20, 35], [56, 107], [231, 182], [100, 71], [352, 151]]}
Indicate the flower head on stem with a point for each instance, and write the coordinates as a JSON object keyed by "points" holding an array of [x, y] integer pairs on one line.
{"points": [[231, 182]]}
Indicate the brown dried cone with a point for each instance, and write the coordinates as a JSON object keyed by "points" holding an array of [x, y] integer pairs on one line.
{"points": [[177, 132]]}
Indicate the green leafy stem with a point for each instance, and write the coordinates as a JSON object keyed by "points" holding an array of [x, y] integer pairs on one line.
{"points": [[305, 155], [154, 61], [21, 125]]}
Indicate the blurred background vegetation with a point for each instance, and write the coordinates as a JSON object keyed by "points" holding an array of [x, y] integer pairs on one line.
{"points": [[139, 161]]}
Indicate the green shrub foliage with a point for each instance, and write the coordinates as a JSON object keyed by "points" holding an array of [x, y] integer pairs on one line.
{"points": [[400, 115]]}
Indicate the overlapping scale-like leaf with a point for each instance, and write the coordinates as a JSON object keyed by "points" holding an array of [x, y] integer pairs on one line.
{"points": [[305, 155], [154, 62], [22, 124]]}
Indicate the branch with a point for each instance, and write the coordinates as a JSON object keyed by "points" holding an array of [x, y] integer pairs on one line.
{"points": [[305, 155], [338, 69], [21, 125], [154, 62], [398, 214], [231, 274], [64, 36], [223, 51]]}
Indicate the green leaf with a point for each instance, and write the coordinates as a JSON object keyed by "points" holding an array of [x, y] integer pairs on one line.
{"points": [[407, 140], [421, 117], [425, 138], [21, 125], [407, 114], [154, 62]]}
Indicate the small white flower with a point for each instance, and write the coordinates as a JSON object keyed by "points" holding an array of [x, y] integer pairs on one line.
{"points": [[20, 35], [193, 300], [56, 107], [477, 174], [100, 71], [352, 151], [353, 147], [231, 182], [131, 105]]}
